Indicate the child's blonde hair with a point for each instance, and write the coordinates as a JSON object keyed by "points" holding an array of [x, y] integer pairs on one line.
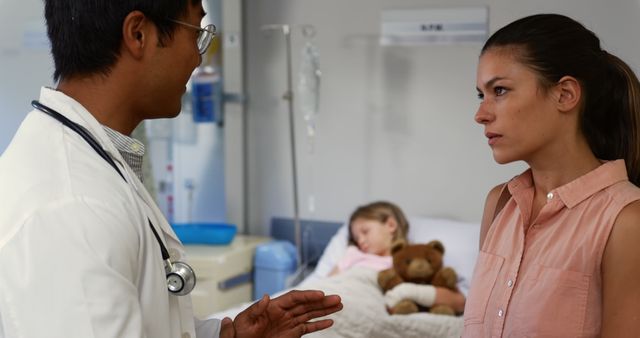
{"points": [[381, 211]]}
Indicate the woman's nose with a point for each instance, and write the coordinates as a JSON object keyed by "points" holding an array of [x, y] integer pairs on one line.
{"points": [[483, 116]]}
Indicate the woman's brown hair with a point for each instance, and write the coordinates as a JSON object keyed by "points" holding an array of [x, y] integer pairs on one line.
{"points": [[554, 46]]}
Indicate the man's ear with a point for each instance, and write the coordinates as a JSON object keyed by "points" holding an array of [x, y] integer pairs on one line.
{"points": [[135, 33], [569, 94]]}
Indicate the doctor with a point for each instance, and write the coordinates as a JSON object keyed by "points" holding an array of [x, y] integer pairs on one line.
{"points": [[84, 251]]}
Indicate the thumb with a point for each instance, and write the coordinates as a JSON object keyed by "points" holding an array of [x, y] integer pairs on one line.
{"points": [[226, 328], [259, 308]]}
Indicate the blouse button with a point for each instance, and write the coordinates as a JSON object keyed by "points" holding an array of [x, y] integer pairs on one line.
{"points": [[549, 196], [500, 313], [510, 283]]}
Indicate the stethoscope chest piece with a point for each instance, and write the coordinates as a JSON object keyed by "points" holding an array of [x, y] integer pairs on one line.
{"points": [[181, 279]]}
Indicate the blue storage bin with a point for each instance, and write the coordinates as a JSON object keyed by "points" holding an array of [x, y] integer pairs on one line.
{"points": [[205, 233], [273, 263]]}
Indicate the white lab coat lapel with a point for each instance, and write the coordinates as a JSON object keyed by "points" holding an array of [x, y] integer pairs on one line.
{"points": [[75, 112], [180, 307]]}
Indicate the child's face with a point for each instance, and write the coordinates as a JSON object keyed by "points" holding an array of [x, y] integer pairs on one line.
{"points": [[372, 236]]}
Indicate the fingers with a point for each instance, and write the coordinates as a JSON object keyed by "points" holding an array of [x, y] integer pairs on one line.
{"points": [[451, 298], [226, 328], [316, 326], [295, 297], [323, 303], [309, 315]]}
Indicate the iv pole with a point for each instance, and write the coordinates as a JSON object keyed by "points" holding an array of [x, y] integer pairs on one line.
{"points": [[288, 96]]}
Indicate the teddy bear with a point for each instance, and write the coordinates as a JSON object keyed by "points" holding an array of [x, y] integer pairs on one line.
{"points": [[418, 264]]}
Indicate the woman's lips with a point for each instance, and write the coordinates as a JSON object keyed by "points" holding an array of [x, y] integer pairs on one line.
{"points": [[493, 138]]}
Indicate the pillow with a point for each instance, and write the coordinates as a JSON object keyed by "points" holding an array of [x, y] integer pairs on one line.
{"points": [[461, 243], [460, 240], [333, 252]]}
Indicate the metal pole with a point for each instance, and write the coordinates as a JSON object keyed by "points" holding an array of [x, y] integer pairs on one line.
{"points": [[286, 29], [288, 96]]}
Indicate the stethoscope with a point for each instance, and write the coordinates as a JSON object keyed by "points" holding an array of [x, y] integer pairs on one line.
{"points": [[181, 279]]}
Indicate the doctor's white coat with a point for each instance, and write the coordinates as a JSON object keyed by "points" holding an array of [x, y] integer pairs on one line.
{"points": [[77, 255]]}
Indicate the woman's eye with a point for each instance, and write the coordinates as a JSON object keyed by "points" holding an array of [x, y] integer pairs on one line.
{"points": [[500, 91], [480, 96]]}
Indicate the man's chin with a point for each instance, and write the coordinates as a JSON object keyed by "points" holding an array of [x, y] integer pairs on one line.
{"points": [[172, 112], [166, 114], [175, 114]]}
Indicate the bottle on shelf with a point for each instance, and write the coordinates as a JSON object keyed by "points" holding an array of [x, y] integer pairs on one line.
{"points": [[206, 89]]}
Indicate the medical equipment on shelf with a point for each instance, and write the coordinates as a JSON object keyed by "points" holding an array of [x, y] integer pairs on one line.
{"points": [[206, 87], [206, 91], [273, 263], [181, 279]]}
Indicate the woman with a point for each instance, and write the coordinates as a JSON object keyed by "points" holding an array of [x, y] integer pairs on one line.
{"points": [[559, 254]]}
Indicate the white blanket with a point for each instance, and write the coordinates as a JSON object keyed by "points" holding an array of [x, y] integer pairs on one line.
{"points": [[364, 314]]}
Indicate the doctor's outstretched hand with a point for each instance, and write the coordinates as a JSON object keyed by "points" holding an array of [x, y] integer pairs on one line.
{"points": [[287, 316]]}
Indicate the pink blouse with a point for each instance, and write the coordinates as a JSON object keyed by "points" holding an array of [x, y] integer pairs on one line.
{"points": [[544, 280]]}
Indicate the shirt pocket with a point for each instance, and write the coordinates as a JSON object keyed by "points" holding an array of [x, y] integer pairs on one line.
{"points": [[484, 279], [552, 302]]}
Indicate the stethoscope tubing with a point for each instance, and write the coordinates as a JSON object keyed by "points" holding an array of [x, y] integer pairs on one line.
{"points": [[98, 149], [81, 131]]}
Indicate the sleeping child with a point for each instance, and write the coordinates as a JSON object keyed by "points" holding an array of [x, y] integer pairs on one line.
{"points": [[372, 230]]}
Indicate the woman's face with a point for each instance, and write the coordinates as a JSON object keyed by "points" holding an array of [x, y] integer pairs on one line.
{"points": [[518, 115], [372, 236]]}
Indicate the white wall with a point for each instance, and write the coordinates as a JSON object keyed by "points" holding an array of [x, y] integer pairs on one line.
{"points": [[25, 64], [395, 123]]}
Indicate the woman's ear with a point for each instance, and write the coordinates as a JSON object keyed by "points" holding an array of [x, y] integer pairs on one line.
{"points": [[569, 94], [135, 33]]}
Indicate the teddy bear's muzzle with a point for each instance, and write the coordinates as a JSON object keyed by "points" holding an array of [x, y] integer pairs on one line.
{"points": [[419, 269]]}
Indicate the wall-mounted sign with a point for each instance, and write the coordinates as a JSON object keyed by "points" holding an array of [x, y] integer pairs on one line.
{"points": [[434, 26]]}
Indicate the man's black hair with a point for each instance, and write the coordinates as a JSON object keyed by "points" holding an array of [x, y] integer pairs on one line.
{"points": [[86, 34]]}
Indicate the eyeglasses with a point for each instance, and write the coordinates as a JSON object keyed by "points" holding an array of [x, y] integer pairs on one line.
{"points": [[205, 35]]}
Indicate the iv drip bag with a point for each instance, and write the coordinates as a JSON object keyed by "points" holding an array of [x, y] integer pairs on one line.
{"points": [[309, 86]]}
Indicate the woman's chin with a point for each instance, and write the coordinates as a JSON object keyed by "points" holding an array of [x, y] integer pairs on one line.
{"points": [[503, 158]]}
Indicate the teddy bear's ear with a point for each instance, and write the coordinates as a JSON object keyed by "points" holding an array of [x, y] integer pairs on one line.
{"points": [[397, 245], [436, 244]]}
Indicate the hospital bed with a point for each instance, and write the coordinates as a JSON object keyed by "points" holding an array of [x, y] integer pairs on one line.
{"points": [[364, 313]]}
